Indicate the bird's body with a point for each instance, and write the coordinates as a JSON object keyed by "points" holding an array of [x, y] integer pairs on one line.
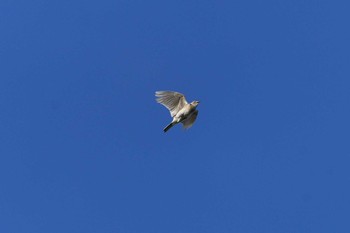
{"points": [[180, 110]]}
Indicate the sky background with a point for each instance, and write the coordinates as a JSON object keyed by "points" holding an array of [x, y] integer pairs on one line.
{"points": [[81, 141]]}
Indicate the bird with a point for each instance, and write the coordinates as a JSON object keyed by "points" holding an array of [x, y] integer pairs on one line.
{"points": [[180, 110]]}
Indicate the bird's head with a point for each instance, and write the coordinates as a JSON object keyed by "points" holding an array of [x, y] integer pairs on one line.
{"points": [[195, 103]]}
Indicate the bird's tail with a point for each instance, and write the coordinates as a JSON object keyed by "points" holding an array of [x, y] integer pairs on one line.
{"points": [[168, 127]]}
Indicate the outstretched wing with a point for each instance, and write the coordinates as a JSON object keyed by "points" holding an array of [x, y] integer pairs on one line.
{"points": [[173, 101], [188, 122]]}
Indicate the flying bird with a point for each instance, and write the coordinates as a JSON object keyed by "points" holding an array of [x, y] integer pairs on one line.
{"points": [[180, 110]]}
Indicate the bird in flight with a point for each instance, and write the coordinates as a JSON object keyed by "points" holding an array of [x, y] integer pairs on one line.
{"points": [[180, 110]]}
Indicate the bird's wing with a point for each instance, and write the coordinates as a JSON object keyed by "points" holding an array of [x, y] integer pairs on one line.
{"points": [[173, 101], [188, 122]]}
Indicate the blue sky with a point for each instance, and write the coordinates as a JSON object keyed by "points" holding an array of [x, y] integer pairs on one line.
{"points": [[82, 147]]}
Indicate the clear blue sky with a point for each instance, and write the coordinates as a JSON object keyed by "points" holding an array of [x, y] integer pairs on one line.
{"points": [[82, 147]]}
